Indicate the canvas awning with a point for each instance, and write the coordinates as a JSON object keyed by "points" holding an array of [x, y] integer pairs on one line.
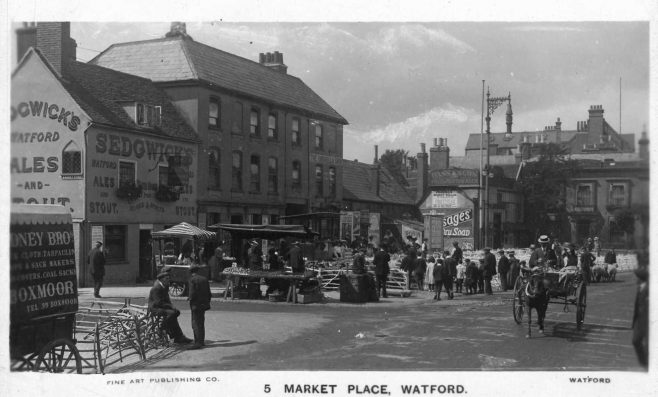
{"points": [[184, 230], [268, 232]]}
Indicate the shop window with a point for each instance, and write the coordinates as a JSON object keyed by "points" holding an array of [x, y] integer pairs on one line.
{"points": [[272, 175], [254, 122], [319, 191], [618, 195], [295, 135], [236, 173], [296, 176], [213, 218], [272, 132], [115, 243], [214, 171], [617, 236], [126, 173], [584, 195], [254, 171], [318, 136], [274, 219], [256, 219], [214, 109], [332, 181], [71, 159], [237, 219]]}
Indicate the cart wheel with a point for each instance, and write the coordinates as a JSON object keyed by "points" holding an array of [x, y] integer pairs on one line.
{"points": [[176, 289], [581, 305], [518, 300], [59, 356]]}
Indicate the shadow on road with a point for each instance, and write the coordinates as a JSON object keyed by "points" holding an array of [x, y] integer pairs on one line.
{"points": [[570, 332], [226, 343]]}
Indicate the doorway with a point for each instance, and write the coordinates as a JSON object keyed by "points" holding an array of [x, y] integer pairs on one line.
{"points": [[146, 271]]}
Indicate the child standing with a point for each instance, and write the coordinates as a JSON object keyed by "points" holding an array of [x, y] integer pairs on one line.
{"points": [[461, 274], [437, 272], [429, 273]]}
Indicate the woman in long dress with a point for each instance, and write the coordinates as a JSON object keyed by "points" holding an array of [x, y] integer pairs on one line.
{"points": [[429, 273]]}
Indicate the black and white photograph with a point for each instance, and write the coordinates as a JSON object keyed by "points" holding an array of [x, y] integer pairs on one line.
{"points": [[328, 198]]}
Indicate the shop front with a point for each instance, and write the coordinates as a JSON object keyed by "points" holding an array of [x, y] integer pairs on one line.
{"points": [[449, 216]]}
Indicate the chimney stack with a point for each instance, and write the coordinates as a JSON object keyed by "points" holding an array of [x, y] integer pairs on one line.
{"points": [[55, 43], [423, 173], [273, 61], [440, 155], [26, 37], [376, 154], [178, 29], [595, 124]]}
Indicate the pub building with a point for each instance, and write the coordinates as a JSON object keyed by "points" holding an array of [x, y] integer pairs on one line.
{"points": [[108, 146], [272, 148]]}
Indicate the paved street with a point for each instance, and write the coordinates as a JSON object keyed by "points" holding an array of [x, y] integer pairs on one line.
{"points": [[415, 333]]}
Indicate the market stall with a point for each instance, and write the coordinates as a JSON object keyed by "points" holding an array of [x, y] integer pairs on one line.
{"points": [[191, 240], [245, 283]]}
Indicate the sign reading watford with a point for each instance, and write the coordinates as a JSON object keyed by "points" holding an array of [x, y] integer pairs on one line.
{"points": [[42, 259]]}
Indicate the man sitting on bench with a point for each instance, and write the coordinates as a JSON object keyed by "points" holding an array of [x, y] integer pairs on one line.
{"points": [[160, 304]]}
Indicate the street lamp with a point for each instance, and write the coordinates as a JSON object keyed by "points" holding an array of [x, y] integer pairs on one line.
{"points": [[492, 104]]}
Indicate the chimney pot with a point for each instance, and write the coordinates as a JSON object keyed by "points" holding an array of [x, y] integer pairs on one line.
{"points": [[261, 58], [422, 148], [436, 142]]}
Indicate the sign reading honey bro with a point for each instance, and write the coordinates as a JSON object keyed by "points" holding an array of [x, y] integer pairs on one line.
{"points": [[42, 260]]}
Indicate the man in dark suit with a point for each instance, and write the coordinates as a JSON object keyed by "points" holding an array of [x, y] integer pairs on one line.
{"points": [[449, 274], [503, 270], [199, 297], [382, 270], [457, 253], [295, 258], [160, 304], [97, 267], [489, 270]]}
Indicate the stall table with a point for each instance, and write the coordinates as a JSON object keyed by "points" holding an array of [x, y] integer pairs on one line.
{"points": [[234, 278]]}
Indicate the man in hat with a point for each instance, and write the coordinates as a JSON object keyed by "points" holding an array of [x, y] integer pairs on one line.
{"points": [[96, 260], [255, 255], [544, 255], [160, 304], [295, 258], [503, 270], [199, 297], [489, 270], [382, 269], [457, 252]]}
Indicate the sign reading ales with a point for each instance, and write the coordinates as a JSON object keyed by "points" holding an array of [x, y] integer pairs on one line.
{"points": [[42, 259]]}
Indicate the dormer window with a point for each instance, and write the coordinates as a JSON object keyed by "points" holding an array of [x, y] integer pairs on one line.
{"points": [[148, 115]]}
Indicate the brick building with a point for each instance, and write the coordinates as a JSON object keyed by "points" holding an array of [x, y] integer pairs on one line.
{"points": [[271, 146], [107, 145]]}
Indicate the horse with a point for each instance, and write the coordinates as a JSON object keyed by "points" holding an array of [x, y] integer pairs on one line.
{"points": [[536, 296], [611, 272]]}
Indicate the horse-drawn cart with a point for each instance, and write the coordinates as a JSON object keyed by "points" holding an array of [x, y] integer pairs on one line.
{"points": [[565, 287], [44, 293]]}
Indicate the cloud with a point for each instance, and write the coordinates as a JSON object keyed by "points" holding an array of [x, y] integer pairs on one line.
{"points": [[545, 28], [448, 121], [392, 39]]}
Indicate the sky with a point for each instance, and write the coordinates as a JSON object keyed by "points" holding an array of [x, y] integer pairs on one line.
{"points": [[402, 83]]}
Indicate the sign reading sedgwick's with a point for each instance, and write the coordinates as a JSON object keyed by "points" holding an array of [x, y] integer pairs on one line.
{"points": [[43, 109]]}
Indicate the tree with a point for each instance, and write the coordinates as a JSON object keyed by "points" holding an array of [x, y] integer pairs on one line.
{"points": [[543, 183], [393, 161]]}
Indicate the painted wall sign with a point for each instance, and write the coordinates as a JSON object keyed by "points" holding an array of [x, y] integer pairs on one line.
{"points": [[147, 161], [42, 275], [454, 177], [444, 200], [47, 125]]}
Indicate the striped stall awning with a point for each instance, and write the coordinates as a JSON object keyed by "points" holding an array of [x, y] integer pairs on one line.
{"points": [[184, 230]]}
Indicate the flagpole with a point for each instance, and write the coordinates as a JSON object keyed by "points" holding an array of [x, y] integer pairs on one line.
{"points": [[481, 170]]}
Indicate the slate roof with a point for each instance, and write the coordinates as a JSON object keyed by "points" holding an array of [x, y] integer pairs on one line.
{"points": [[358, 184], [573, 139], [101, 91], [180, 58]]}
